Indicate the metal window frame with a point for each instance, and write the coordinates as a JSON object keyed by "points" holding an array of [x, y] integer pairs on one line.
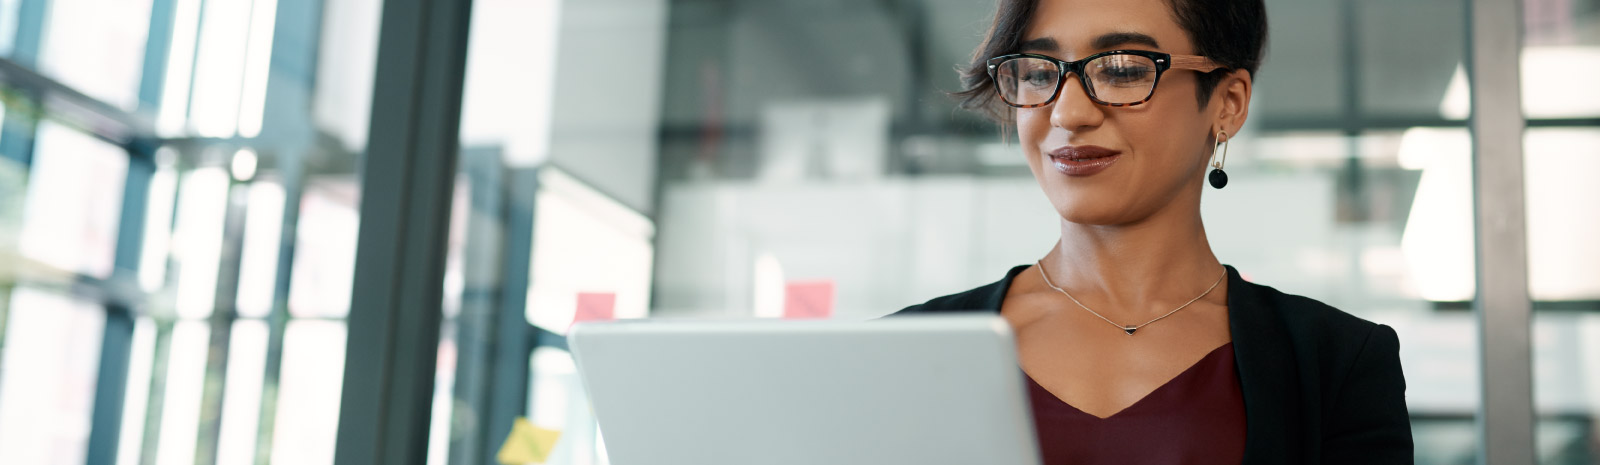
{"points": [[17, 141], [407, 177], [1504, 306], [118, 293]]}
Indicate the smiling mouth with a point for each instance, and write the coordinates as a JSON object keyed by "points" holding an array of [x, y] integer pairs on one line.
{"points": [[1082, 152], [1084, 160]]}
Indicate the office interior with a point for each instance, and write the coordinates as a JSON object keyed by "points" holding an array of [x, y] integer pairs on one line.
{"points": [[253, 232]]}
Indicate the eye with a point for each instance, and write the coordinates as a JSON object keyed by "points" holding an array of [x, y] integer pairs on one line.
{"points": [[1123, 70], [1034, 72], [1039, 77]]}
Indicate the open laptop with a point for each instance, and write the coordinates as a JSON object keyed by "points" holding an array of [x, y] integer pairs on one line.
{"points": [[925, 390]]}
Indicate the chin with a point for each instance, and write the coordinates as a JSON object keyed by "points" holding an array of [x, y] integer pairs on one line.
{"points": [[1103, 205], [1088, 213]]}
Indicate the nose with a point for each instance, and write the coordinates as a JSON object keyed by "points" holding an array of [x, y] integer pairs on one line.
{"points": [[1073, 110]]}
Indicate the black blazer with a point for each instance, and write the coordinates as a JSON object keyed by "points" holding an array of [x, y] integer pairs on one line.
{"points": [[1320, 386]]}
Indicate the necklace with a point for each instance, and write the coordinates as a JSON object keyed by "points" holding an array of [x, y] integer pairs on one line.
{"points": [[1126, 329]]}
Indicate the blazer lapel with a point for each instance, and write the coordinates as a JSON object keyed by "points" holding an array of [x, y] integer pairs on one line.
{"points": [[1264, 357]]}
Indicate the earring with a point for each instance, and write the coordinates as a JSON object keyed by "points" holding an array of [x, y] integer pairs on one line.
{"points": [[1219, 179]]}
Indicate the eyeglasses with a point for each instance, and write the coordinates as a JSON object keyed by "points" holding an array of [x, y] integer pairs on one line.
{"points": [[1116, 78]]}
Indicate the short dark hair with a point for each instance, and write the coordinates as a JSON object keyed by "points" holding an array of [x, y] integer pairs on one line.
{"points": [[1232, 33]]}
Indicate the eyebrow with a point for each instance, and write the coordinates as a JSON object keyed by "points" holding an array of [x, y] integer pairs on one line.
{"points": [[1104, 41], [1043, 44], [1114, 39]]}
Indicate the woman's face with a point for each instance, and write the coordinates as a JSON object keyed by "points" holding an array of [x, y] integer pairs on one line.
{"points": [[1161, 147]]}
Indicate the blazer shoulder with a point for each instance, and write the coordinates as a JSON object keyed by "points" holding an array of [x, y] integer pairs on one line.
{"points": [[985, 298], [1330, 339], [1337, 374], [971, 300], [1305, 315]]}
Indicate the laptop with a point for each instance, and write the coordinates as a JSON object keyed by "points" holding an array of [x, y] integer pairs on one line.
{"points": [[926, 390]]}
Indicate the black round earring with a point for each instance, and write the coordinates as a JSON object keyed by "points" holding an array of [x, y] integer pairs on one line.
{"points": [[1219, 179]]}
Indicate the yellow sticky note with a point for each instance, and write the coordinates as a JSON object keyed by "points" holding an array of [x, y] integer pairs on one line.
{"points": [[527, 444]]}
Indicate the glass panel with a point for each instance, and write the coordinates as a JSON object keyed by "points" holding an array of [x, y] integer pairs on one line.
{"points": [[1564, 281], [249, 225], [781, 166], [8, 25], [130, 445], [346, 58], [219, 64], [1304, 66], [1560, 56], [178, 77], [308, 394], [50, 353], [185, 370], [100, 53], [197, 239], [241, 408], [1408, 53], [557, 401], [268, 115], [585, 243], [1563, 257], [325, 248], [161, 207], [765, 165], [258, 267], [537, 221], [74, 195]]}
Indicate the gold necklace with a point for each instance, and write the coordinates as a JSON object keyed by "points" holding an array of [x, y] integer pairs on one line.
{"points": [[1126, 329]]}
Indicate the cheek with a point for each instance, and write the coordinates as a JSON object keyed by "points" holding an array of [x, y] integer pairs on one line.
{"points": [[1168, 136], [1165, 143], [1033, 124]]}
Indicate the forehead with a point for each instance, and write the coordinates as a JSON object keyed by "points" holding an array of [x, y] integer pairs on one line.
{"points": [[1076, 25]]}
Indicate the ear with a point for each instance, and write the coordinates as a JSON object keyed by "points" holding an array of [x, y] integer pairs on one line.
{"points": [[1231, 101]]}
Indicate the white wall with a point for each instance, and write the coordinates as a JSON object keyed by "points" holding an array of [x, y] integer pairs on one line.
{"points": [[606, 105], [901, 241]]}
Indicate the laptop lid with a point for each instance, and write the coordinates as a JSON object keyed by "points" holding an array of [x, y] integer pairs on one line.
{"points": [[907, 390]]}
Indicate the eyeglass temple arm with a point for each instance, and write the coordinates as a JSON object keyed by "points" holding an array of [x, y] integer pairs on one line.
{"points": [[1197, 63]]}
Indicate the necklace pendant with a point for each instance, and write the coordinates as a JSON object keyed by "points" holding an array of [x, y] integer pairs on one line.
{"points": [[1130, 329]]}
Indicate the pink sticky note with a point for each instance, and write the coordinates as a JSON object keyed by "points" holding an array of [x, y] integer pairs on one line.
{"points": [[808, 299], [595, 306]]}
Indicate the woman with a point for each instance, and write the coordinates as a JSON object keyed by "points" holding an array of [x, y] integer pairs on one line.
{"points": [[1139, 345]]}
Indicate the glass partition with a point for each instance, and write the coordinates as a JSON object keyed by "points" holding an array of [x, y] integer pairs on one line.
{"points": [[182, 258], [178, 199], [1561, 150]]}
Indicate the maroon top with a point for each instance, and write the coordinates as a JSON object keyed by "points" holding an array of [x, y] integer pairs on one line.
{"points": [[1196, 418]]}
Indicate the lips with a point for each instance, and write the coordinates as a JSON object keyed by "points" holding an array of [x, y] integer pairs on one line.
{"points": [[1083, 160]]}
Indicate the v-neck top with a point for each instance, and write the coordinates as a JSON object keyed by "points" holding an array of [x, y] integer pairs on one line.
{"points": [[1196, 418], [1320, 386]]}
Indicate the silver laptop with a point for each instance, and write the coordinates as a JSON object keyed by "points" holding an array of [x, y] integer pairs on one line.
{"points": [[926, 390]]}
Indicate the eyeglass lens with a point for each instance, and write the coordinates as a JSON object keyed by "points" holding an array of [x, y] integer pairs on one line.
{"points": [[1114, 79]]}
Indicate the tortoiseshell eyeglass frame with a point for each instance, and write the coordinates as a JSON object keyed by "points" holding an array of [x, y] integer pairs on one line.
{"points": [[1164, 61]]}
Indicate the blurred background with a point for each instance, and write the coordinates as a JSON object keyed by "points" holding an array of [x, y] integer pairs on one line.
{"points": [[183, 185]]}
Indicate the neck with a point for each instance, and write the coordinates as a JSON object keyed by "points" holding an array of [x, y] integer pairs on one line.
{"points": [[1139, 269]]}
